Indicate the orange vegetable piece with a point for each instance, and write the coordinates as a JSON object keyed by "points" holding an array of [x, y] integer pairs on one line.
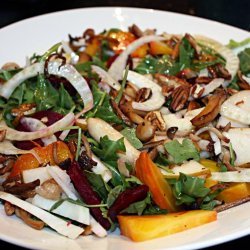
{"points": [[141, 228], [29, 161], [120, 40], [93, 47], [234, 192], [141, 52], [160, 48], [151, 175]]}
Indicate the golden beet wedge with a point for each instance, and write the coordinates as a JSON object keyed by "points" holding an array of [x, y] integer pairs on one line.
{"points": [[141, 228]]}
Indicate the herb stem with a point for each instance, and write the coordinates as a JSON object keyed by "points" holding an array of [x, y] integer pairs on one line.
{"points": [[78, 143], [124, 80]]}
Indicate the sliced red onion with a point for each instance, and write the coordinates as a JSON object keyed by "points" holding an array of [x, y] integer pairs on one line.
{"points": [[106, 77], [155, 101], [34, 125], [14, 135], [117, 67], [214, 84], [7, 88]]}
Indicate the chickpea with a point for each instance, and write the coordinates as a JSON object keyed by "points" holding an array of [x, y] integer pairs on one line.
{"points": [[145, 131]]}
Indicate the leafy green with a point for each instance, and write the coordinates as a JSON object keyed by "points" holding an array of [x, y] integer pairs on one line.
{"points": [[182, 152], [129, 134], [7, 74], [244, 57], [107, 115], [234, 44], [162, 65], [98, 184], [108, 149], [117, 178], [138, 207], [45, 95], [124, 80], [234, 83], [186, 54], [161, 159], [113, 194], [102, 108], [133, 179], [187, 189]]}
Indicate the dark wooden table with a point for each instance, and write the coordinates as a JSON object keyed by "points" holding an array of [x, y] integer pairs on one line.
{"points": [[233, 12]]}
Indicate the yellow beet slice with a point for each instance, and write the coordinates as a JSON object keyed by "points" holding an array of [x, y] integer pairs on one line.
{"points": [[141, 228], [235, 192]]}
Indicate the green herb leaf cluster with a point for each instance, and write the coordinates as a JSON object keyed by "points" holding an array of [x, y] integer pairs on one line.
{"points": [[182, 151]]}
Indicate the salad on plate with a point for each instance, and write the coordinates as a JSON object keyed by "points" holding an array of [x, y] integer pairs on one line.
{"points": [[132, 129]]}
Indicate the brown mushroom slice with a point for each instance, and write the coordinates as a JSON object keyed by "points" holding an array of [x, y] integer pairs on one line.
{"points": [[212, 109], [26, 217]]}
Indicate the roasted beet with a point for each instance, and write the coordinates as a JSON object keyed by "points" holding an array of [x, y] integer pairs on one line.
{"points": [[126, 198], [87, 193]]}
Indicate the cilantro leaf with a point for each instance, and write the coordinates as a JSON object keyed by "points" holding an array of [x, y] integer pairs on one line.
{"points": [[129, 134], [108, 149], [182, 152]]}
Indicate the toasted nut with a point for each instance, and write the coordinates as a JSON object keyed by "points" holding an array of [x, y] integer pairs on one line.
{"points": [[10, 66], [143, 94], [2, 135], [25, 216], [87, 231], [49, 190], [179, 98], [9, 208], [156, 119], [145, 131]]}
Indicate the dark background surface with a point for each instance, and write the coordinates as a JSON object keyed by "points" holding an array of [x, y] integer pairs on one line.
{"points": [[233, 12]]}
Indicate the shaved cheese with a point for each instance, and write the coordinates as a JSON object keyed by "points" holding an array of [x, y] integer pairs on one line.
{"points": [[242, 175], [119, 64], [59, 225], [97, 228], [40, 173], [63, 180]]}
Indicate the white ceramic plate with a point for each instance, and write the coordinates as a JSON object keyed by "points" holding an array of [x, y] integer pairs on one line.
{"points": [[37, 35]]}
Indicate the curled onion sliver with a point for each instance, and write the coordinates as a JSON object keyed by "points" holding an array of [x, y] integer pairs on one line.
{"points": [[15, 135], [106, 77], [34, 125], [117, 67]]}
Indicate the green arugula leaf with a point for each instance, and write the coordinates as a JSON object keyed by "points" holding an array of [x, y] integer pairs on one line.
{"points": [[113, 194], [138, 207], [45, 95], [186, 54], [234, 83], [98, 184], [188, 189], [234, 44], [130, 135], [182, 152], [108, 149], [244, 57]]}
